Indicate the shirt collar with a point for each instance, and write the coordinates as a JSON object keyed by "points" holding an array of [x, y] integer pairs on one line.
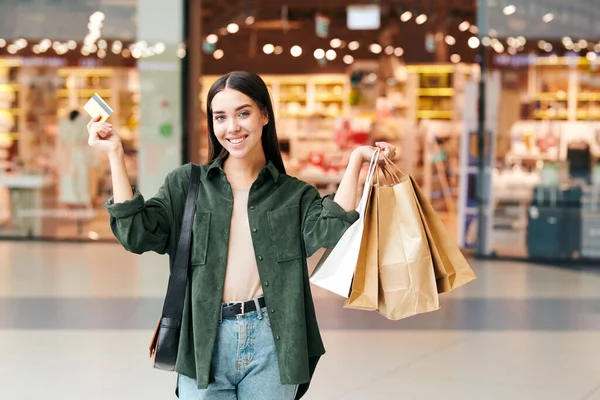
{"points": [[218, 165]]}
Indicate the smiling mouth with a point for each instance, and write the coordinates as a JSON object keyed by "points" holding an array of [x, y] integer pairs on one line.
{"points": [[237, 140]]}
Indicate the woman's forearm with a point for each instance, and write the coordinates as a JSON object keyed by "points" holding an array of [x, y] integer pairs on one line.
{"points": [[346, 193], [120, 179]]}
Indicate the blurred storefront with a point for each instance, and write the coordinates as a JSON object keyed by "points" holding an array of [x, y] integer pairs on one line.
{"points": [[340, 75], [542, 195], [53, 57]]}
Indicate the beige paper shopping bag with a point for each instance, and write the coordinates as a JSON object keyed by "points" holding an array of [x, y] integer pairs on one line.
{"points": [[365, 285], [406, 275], [451, 267]]}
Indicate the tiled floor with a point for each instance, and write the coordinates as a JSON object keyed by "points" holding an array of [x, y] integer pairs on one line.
{"points": [[75, 320]]}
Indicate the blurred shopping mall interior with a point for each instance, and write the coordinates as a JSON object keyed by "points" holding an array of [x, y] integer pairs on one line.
{"points": [[493, 106]]}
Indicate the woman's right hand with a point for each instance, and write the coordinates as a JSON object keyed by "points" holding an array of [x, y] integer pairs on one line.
{"points": [[103, 137]]}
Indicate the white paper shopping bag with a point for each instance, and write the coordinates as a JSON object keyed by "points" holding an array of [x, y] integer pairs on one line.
{"points": [[335, 269]]}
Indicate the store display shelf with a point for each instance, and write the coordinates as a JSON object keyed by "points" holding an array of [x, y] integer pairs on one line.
{"points": [[328, 98], [588, 96], [430, 69], [544, 114], [76, 72], [9, 87], [558, 96], [436, 92], [84, 93], [10, 135], [292, 98], [11, 111], [581, 114], [435, 114], [293, 115]]}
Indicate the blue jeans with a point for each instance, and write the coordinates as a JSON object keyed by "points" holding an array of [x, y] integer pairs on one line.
{"points": [[244, 364]]}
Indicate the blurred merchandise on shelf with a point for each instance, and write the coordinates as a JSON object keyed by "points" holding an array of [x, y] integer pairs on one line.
{"points": [[52, 183]]}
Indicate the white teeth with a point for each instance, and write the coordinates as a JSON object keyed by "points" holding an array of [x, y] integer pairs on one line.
{"points": [[237, 141]]}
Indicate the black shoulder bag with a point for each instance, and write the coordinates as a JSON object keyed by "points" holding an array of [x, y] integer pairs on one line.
{"points": [[165, 341]]}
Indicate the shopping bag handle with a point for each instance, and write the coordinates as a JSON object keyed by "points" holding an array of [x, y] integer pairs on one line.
{"points": [[373, 165], [389, 168]]}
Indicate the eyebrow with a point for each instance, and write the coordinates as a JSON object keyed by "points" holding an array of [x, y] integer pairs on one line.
{"points": [[237, 109]]}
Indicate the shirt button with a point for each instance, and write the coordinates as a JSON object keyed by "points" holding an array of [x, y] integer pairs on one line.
{"points": [[266, 283], [218, 287], [260, 257], [252, 208], [272, 310], [277, 337], [254, 230]]}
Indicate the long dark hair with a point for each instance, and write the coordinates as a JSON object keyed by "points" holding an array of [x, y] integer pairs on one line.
{"points": [[254, 87]]}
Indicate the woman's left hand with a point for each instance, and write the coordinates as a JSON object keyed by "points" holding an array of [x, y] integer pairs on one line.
{"points": [[366, 152]]}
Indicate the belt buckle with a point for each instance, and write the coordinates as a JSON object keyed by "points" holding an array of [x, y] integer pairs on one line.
{"points": [[243, 307]]}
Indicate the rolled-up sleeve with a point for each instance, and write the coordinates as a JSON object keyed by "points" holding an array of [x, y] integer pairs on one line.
{"points": [[143, 225], [325, 221]]}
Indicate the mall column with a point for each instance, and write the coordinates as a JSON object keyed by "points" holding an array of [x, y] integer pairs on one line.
{"points": [[160, 128]]}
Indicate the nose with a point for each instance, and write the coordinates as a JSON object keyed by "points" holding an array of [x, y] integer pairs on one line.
{"points": [[233, 126]]}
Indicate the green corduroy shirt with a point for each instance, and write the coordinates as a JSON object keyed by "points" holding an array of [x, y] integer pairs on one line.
{"points": [[289, 221]]}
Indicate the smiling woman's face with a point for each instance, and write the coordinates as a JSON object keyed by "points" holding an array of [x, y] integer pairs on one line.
{"points": [[238, 123]]}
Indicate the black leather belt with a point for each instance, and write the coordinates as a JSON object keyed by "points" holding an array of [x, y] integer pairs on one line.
{"points": [[232, 310]]}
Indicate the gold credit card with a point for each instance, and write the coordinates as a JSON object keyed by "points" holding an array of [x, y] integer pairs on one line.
{"points": [[96, 106]]}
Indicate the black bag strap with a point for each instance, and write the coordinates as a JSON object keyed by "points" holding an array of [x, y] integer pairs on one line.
{"points": [[173, 306]]}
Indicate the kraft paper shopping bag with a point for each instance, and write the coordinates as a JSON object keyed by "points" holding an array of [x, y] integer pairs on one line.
{"points": [[452, 269], [365, 285], [406, 274]]}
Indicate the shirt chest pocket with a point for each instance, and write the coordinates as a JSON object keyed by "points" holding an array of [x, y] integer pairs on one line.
{"points": [[285, 230], [199, 243]]}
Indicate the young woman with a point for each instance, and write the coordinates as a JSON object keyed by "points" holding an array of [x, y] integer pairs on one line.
{"points": [[249, 329]]}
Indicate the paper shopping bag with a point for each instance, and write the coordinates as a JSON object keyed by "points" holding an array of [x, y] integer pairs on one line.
{"points": [[451, 267], [406, 275], [335, 270], [365, 285]]}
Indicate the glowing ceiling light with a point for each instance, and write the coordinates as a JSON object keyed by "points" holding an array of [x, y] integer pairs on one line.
{"points": [[421, 19], [591, 56], [212, 38], [218, 54], [353, 45], [375, 48], [268, 48], [159, 47], [509, 10], [348, 59], [296, 51], [450, 40], [464, 26], [335, 43], [473, 42], [406, 16], [319, 54], [548, 18], [233, 28], [330, 55]]}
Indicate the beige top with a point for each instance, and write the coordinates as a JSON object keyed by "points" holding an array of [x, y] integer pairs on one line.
{"points": [[242, 281]]}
